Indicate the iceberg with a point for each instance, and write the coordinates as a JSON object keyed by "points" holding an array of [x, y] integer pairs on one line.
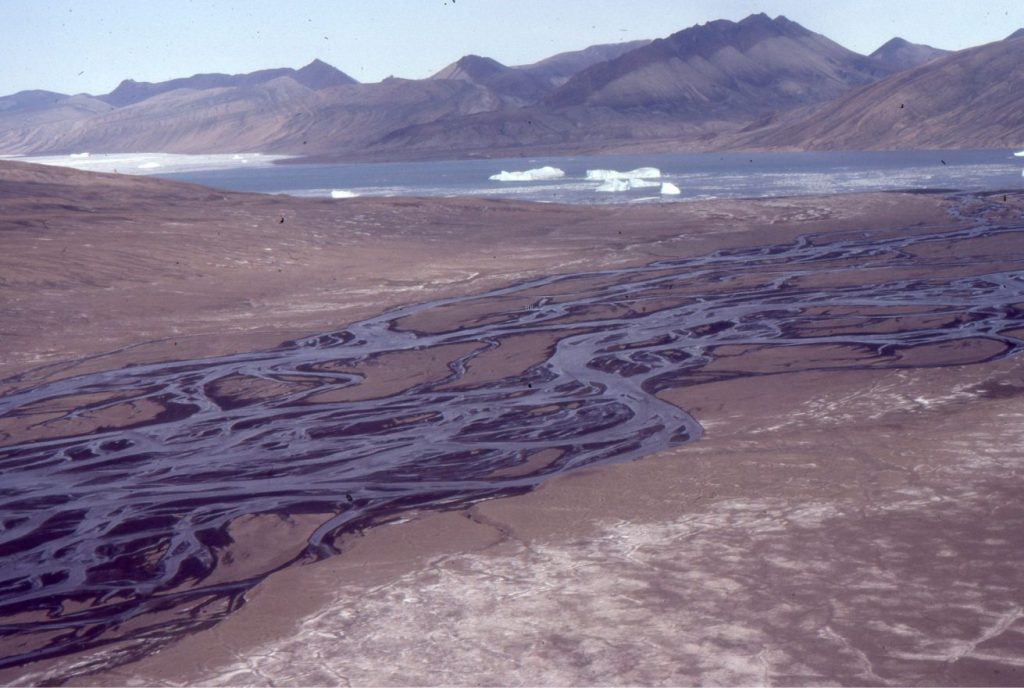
{"points": [[613, 185], [79, 155], [343, 193], [638, 173], [669, 189], [538, 174], [149, 166], [1019, 154]]}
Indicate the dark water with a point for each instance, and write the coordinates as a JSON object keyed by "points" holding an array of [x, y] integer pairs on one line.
{"points": [[129, 522], [698, 175]]}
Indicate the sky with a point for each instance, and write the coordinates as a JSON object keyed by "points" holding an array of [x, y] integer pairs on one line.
{"points": [[89, 46]]}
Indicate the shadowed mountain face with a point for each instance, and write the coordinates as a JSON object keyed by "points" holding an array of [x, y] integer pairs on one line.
{"points": [[723, 70], [690, 87], [557, 69], [899, 55], [316, 75], [968, 99]]}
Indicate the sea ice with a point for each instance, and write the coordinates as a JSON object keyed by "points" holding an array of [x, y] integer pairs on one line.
{"points": [[638, 173], [1019, 154], [153, 163], [625, 184], [613, 185], [343, 193], [669, 189], [538, 174]]}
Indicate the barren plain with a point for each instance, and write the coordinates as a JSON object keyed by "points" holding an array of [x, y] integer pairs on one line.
{"points": [[846, 512]]}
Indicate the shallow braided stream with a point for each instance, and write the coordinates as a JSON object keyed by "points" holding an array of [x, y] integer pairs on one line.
{"points": [[118, 487]]}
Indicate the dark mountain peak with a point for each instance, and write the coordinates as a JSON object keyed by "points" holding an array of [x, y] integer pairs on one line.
{"points": [[472, 68], [894, 43], [1016, 34], [749, 67], [898, 54], [318, 75]]}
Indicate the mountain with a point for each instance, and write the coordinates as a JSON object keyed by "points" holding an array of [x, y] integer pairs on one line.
{"points": [[26, 101], [898, 54], [316, 75], [557, 69], [759, 82], [280, 115], [723, 70], [687, 90], [972, 98], [514, 86]]}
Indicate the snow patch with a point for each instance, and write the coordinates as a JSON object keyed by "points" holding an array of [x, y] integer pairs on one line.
{"points": [[638, 173], [79, 155], [537, 174], [149, 166], [669, 189], [343, 193]]}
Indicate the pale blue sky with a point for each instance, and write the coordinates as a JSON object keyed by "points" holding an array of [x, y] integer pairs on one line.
{"points": [[88, 46]]}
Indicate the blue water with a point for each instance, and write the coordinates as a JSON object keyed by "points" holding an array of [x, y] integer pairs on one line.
{"points": [[698, 175]]}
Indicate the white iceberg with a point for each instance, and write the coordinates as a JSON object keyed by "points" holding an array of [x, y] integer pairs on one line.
{"points": [[614, 185], [79, 155], [638, 173], [538, 174], [1019, 154], [343, 193], [669, 189], [149, 166]]}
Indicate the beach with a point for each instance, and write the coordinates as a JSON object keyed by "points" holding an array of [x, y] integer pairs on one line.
{"points": [[847, 515]]}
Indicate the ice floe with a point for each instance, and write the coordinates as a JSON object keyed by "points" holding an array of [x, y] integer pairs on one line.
{"points": [[150, 163], [1019, 154], [669, 189], [534, 175], [638, 173], [343, 193], [614, 185]]}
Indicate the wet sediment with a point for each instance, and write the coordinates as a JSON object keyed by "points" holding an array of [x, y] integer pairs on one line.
{"points": [[116, 511]]}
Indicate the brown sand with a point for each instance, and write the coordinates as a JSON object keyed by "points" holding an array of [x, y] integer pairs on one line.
{"points": [[833, 526]]}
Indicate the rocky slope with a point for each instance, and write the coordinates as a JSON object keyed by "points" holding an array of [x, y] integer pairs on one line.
{"points": [[968, 99]]}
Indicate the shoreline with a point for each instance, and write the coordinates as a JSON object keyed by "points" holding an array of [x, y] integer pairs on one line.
{"points": [[486, 527]]}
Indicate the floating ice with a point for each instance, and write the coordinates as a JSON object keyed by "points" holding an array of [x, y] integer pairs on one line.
{"points": [[150, 163], [343, 193], [538, 174], [638, 173], [1019, 154], [613, 185], [669, 189]]}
